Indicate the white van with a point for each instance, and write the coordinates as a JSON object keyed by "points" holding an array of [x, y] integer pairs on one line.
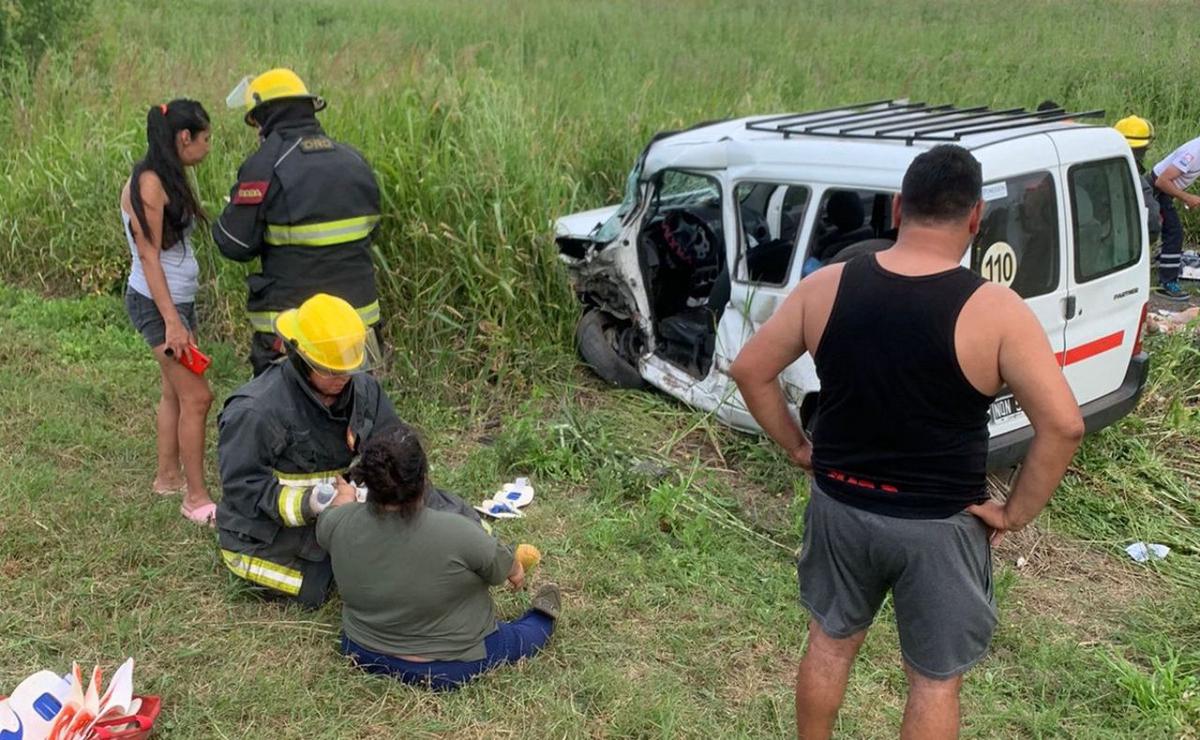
{"points": [[719, 222]]}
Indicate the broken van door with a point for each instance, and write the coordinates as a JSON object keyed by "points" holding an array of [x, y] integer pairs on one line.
{"points": [[765, 266]]}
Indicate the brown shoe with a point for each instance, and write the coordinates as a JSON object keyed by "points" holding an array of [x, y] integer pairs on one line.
{"points": [[547, 600]]}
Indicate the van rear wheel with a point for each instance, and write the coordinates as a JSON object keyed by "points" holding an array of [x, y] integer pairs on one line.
{"points": [[596, 337]]}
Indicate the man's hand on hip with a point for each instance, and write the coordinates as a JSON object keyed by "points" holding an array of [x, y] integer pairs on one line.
{"points": [[995, 515], [802, 456]]}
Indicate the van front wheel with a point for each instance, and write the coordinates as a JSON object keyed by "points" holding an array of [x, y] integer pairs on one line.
{"points": [[596, 339]]}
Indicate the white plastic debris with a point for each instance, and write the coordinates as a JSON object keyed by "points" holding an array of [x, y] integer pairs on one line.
{"points": [[1141, 552], [498, 510], [519, 493]]}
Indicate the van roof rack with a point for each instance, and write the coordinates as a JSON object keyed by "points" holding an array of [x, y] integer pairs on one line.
{"points": [[900, 120]]}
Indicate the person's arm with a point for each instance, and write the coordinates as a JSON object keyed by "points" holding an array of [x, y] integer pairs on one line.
{"points": [[241, 227], [1166, 183], [149, 250], [491, 560], [327, 523], [248, 445], [516, 576], [777, 344], [1028, 366]]}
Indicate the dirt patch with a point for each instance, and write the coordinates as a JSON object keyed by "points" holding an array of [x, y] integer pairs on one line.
{"points": [[1085, 589], [760, 670]]}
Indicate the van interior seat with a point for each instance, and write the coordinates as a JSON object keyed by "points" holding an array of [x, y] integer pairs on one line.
{"points": [[844, 210]]}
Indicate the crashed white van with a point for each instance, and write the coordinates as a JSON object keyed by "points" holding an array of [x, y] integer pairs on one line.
{"points": [[719, 222]]}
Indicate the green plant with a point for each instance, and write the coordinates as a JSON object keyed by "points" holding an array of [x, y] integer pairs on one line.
{"points": [[29, 27], [1168, 693]]}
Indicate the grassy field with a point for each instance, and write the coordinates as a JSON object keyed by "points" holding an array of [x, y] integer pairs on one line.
{"points": [[485, 120], [671, 536]]}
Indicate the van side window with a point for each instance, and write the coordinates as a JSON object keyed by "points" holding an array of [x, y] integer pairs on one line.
{"points": [[850, 223], [1104, 212], [770, 215], [1017, 244]]}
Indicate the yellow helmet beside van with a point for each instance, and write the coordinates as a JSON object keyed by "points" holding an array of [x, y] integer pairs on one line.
{"points": [[1136, 130]]}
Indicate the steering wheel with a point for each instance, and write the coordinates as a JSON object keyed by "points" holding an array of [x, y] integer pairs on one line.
{"points": [[690, 240]]}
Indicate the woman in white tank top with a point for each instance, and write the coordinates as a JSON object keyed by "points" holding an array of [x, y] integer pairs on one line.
{"points": [[159, 210]]}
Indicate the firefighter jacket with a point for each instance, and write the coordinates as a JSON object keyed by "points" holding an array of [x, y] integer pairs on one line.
{"points": [[276, 441], [308, 207]]}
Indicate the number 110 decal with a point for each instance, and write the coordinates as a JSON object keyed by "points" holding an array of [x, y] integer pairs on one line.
{"points": [[999, 264]]}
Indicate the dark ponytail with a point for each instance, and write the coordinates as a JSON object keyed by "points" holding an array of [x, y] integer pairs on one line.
{"points": [[395, 470], [163, 122]]}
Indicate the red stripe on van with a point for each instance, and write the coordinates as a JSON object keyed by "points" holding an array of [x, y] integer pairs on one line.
{"points": [[1091, 349]]}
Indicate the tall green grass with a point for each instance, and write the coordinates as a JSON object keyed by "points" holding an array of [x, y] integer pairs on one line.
{"points": [[486, 120]]}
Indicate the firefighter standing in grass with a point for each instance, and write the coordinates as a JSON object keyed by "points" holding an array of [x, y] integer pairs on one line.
{"points": [[286, 441], [305, 204]]}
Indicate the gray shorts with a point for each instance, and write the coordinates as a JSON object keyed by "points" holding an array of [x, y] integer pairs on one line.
{"points": [[938, 570], [149, 322]]}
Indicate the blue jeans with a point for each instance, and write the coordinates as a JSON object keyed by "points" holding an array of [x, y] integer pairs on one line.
{"points": [[521, 638], [1172, 239]]}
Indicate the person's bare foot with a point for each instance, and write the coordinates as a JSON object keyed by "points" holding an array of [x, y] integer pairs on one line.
{"points": [[165, 485], [197, 499]]}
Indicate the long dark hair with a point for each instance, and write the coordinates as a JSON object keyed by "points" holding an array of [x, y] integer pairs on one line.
{"points": [[163, 122], [395, 470]]}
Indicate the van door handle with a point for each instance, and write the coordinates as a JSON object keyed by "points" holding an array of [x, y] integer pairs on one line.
{"points": [[1069, 307]]}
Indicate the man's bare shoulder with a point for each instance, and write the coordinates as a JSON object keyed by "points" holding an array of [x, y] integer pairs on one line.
{"points": [[823, 283], [999, 307], [996, 297]]}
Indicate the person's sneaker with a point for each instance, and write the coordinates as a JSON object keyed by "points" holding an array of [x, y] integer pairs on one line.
{"points": [[1173, 291], [547, 600]]}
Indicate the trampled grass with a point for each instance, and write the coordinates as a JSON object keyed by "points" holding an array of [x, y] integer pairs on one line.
{"points": [[670, 534]]}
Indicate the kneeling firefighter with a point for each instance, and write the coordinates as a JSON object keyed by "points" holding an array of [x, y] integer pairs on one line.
{"points": [[285, 442], [304, 203]]}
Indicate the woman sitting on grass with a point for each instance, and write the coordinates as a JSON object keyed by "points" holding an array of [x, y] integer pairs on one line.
{"points": [[414, 581], [160, 211]]}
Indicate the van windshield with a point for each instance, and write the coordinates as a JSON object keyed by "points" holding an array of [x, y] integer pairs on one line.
{"points": [[611, 228]]}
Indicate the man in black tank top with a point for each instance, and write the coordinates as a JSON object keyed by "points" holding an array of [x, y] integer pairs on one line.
{"points": [[910, 348]]}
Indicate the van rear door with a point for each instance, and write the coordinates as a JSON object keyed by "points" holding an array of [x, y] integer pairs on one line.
{"points": [[1021, 243], [1109, 273]]}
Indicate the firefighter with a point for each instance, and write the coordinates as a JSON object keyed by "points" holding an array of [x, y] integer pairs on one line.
{"points": [[285, 442], [1139, 133], [305, 204]]}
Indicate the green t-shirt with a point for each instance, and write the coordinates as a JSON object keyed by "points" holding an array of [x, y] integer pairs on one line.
{"points": [[414, 586]]}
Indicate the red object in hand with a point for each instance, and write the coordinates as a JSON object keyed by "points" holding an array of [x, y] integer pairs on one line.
{"points": [[193, 359]]}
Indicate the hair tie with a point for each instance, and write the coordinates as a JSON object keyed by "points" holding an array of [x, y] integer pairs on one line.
{"points": [[163, 108]]}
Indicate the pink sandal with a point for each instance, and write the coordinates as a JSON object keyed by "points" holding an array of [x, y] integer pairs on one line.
{"points": [[205, 515]]}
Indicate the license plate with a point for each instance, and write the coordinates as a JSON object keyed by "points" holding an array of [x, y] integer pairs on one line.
{"points": [[1003, 408]]}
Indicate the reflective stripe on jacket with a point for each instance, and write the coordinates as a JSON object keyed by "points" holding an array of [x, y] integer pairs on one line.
{"points": [[308, 206]]}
